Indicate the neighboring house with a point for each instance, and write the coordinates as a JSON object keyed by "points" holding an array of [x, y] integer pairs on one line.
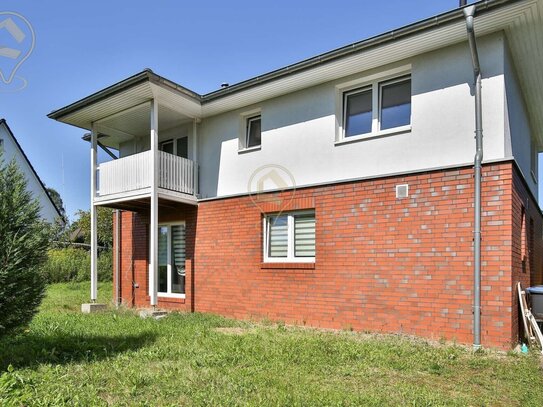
{"points": [[337, 192], [12, 150]]}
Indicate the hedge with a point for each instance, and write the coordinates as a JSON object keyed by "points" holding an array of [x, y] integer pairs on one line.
{"points": [[71, 264]]}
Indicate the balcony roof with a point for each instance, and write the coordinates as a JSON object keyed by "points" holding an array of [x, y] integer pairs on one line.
{"points": [[521, 20]]}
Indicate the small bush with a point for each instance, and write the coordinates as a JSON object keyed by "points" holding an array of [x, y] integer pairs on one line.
{"points": [[70, 264]]}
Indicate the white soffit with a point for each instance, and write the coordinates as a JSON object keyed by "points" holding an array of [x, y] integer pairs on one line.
{"points": [[525, 37], [135, 122], [130, 101], [107, 107]]}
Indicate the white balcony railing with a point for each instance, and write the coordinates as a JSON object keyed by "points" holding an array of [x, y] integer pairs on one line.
{"points": [[134, 173]]}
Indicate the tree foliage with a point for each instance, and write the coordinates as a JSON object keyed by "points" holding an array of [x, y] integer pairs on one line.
{"points": [[81, 229], [24, 240], [57, 200]]}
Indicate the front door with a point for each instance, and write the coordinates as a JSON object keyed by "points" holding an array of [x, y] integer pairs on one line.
{"points": [[171, 260]]}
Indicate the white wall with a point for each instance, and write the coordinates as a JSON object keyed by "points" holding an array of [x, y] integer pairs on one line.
{"points": [[518, 135], [299, 129], [48, 211]]}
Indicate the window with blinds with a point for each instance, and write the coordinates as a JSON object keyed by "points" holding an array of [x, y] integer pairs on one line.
{"points": [[171, 259], [290, 237], [304, 235], [178, 259], [278, 236]]}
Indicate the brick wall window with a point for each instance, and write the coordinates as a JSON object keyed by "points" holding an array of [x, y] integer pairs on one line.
{"points": [[289, 237]]}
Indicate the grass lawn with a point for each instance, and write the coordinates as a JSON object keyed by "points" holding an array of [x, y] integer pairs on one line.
{"points": [[116, 358]]}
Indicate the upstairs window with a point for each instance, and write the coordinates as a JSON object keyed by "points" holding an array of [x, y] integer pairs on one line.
{"points": [[178, 147], [253, 132], [290, 237], [378, 108], [1, 145], [395, 109], [358, 112]]}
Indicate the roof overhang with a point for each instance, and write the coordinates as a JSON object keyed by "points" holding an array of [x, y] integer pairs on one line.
{"points": [[521, 20], [127, 95]]}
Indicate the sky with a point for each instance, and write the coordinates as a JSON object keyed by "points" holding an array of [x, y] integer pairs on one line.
{"points": [[83, 46]]}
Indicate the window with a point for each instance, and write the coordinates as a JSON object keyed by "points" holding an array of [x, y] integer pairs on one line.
{"points": [[1, 145], [358, 116], [171, 260], [253, 132], [395, 110], [182, 147], [378, 108], [178, 147], [290, 237], [167, 146]]}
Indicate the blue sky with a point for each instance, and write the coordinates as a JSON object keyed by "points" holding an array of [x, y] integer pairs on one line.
{"points": [[82, 47]]}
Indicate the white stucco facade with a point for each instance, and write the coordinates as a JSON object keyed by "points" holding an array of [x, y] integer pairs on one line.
{"points": [[300, 130], [13, 151]]}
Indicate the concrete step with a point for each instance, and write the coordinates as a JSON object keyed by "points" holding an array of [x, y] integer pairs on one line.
{"points": [[150, 313], [93, 308]]}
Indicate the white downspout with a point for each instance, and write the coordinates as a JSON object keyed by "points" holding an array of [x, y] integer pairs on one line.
{"points": [[469, 12]]}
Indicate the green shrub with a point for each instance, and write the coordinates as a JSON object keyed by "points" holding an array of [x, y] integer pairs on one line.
{"points": [[24, 240], [71, 264]]}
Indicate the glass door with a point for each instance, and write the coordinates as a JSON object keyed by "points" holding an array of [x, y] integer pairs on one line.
{"points": [[171, 260]]}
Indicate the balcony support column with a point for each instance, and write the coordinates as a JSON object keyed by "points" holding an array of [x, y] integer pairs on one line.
{"points": [[93, 217], [153, 232]]}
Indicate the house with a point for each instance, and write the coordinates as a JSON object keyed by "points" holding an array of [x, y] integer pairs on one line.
{"points": [[11, 149], [340, 191]]}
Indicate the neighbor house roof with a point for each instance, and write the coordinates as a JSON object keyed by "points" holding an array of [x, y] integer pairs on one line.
{"points": [[5, 123]]}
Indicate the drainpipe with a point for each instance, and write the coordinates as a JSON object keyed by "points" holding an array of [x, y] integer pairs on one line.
{"points": [[469, 13]]}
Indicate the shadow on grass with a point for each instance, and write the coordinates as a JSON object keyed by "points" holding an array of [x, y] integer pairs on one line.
{"points": [[30, 350]]}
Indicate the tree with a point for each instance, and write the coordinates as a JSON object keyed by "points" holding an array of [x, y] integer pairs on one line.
{"points": [[81, 226], [23, 249], [57, 200]]}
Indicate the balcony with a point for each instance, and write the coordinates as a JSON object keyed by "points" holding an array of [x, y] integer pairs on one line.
{"points": [[130, 178]]}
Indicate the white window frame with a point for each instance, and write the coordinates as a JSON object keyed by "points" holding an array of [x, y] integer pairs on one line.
{"points": [[290, 241], [243, 130], [374, 83], [169, 293]]}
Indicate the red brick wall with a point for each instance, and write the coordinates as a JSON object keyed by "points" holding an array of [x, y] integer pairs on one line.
{"points": [[382, 264], [135, 256], [527, 246]]}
